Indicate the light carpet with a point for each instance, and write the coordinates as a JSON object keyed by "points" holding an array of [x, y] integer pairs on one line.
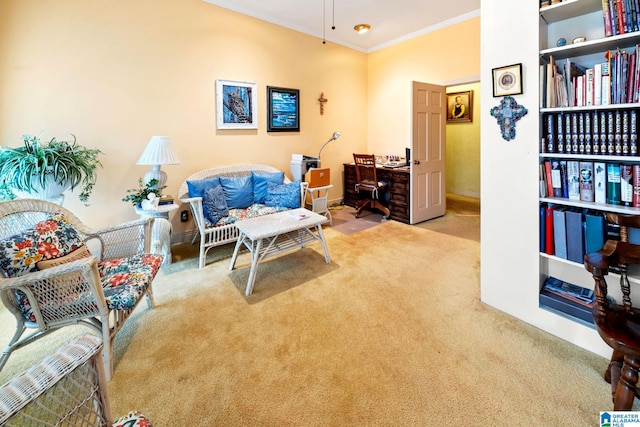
{"points": [[390, 333]]}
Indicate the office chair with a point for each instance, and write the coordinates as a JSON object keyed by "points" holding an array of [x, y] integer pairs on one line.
{"points": [[367, 181], [618, 323]]}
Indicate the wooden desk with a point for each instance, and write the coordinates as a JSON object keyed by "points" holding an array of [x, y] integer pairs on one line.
{"points": [[399, 190]]}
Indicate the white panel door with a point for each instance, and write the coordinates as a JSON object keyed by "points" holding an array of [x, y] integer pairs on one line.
{"points": [[428, 147]]}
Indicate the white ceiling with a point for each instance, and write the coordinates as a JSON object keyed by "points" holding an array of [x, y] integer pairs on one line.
{"points": [[391, 21]]}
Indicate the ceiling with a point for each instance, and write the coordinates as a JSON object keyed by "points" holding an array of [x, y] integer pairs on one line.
{"points": [[391, 21]]}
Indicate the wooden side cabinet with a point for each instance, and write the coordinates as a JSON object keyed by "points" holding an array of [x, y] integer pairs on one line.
{"points": [[399, 190]]}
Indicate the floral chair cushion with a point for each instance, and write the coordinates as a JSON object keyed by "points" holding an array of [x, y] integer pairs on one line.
{"points": [[132, 419], [51, 238], [123, 281]]}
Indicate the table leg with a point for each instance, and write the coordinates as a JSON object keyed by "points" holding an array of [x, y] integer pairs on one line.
{"points": [[235, 251], [327, 259], [255, 259]]}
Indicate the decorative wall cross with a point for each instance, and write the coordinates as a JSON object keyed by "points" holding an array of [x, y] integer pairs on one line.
{"points": [[322, 100], [507, 114]]}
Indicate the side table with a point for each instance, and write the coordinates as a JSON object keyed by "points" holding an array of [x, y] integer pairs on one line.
{"points": [[318, 200], [161, 232]]}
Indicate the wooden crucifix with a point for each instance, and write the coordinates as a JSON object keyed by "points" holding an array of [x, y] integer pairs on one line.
{"points": [[322, 100]]}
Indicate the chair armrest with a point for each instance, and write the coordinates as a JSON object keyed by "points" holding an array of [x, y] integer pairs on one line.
{"points": [[123, 240], [74, 285], [196, 211]]}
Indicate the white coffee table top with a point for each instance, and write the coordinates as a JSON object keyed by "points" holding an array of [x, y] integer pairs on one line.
{"points": [[279, 223]]}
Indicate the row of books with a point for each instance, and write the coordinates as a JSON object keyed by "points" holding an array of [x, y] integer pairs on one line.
{"points": [[620, 16], [570, 233], [587, 181], [613, 81], [596, 132], [568, 298], [544, 3]]}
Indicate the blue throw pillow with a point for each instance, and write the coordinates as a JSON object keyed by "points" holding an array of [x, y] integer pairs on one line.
{"points": [[260, 181], [214, 204], [198, 187], [238, 190], [283, 195]]}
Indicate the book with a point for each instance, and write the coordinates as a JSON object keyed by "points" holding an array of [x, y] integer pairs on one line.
{"points": [[636, 186], [551, 133], [588, 133], [565, 306], [575, 235], [626, 185], [543, 222], [607, 18], [599, 182], [299, 215], [547, 168], [586, 181], [556, 178], [559, 233], [564, 184], [585, 295], [594, 232], [573, 179], [613, 183], [633, 136], [549, 231], [617, 133], [626, 149], [595, 138]]}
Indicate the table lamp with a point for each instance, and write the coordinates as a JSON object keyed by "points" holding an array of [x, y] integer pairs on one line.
{"points": [[158, 152]]}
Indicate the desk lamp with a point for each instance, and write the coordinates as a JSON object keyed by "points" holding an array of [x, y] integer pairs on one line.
{"points": [[158, 152], [335, 135]]}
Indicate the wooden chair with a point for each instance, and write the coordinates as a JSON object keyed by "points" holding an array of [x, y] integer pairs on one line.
{"points": [[100, 288], [367, 181], [67, 388], [618, 323]]}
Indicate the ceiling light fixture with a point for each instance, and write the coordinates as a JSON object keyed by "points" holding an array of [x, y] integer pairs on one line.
{"points": [[362, 28]]}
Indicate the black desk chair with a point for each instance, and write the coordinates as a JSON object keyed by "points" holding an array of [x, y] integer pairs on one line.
{"points": [[367, 181]]}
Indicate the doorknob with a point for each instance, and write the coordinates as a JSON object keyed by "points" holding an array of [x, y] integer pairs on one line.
{"points": [[416, 162]]}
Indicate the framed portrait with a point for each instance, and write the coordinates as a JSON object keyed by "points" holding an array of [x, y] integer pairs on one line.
{"points": [[283, 109], [460, 107], [507, 80], [236, 105]]}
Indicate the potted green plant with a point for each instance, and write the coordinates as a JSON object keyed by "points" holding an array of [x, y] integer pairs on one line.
{"points": [[136, 196], [42, 169]]}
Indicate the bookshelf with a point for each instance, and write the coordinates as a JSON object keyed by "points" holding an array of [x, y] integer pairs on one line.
{"points": [[570, 19]]}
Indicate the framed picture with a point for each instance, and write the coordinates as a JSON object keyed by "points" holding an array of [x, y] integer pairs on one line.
{"points": [[283, 106], [507, 80], [236, 105], [460, 107]]}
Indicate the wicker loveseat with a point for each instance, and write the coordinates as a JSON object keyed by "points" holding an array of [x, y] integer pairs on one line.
{"points": [[224, 230]]}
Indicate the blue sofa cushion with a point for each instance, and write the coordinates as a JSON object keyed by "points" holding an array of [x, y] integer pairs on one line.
{"points": [[238, 191], [198, 187], [260, 181], [283, 195], [214, 204]]}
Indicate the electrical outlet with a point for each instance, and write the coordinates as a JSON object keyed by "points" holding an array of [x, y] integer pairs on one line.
{"points": [[184, 216]]}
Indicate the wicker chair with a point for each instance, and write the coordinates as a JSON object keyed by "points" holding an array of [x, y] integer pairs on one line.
{"points": [[100, 290], [67, 388]]}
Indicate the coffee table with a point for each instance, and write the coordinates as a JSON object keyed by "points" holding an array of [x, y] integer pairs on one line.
{"points": [[273, 234]]}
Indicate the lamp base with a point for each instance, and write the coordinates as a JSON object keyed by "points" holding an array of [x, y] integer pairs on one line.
{"points": [[157, 174]]}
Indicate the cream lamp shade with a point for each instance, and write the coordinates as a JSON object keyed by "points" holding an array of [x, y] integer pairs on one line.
{"points": [[158, 152]]}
